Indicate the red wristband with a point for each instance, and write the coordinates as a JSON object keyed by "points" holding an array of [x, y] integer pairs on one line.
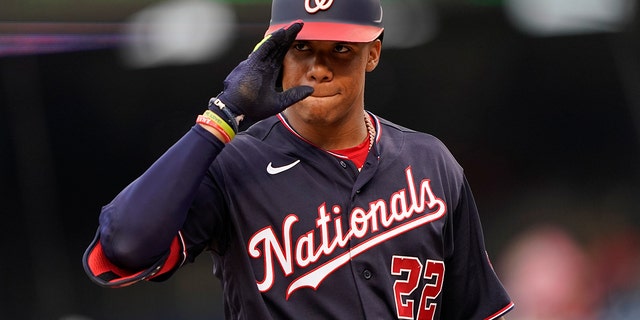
{"points": [[210, 123]]}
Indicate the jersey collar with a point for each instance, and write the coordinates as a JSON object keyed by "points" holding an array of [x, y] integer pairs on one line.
{"points": [[376, 123]]}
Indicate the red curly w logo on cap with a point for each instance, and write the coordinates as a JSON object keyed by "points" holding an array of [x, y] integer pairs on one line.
{"points": [[317, 5]]}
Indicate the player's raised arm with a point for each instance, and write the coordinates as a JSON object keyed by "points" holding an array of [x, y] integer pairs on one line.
{"points": [[138, 228]]}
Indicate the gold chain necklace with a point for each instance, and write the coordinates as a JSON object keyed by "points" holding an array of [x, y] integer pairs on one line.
{"points": [[370, 129]]}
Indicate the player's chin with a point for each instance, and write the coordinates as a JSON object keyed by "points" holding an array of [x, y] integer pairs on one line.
{"points": [[314, 108], [317, 106]]}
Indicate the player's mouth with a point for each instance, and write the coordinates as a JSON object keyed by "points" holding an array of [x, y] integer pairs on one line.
{"points": [[320, 94]]}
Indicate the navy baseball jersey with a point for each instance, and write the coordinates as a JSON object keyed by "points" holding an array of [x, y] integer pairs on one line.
{"points": [[297, 231]]}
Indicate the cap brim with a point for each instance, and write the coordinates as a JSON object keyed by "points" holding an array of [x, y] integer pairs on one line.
{"points": [[333, 31]]}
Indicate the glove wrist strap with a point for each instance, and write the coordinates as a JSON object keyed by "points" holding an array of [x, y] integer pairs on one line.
{"points": [[216, 105]]}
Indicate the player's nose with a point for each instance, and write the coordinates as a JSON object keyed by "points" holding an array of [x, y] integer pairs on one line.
{"points": [[319, 69]]}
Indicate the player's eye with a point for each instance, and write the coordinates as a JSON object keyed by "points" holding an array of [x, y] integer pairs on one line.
{"points": [[341, 48], [301, 46]]}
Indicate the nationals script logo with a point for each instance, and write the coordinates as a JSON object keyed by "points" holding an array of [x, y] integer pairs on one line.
{"points": [[317, 5], [404, 211]]}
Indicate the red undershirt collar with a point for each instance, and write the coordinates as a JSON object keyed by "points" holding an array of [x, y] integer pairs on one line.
{"points": [[357, 154]]}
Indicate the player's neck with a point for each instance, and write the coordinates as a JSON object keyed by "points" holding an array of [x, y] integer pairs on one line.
{"points": [[343, 134]]}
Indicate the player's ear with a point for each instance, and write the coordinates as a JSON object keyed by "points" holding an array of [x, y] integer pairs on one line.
{"points": [[375, 49]]}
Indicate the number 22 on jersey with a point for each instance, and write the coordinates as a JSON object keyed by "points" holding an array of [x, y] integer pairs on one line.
{"points": [[410, 269]]}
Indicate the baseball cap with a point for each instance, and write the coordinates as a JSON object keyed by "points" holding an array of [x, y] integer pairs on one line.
{"points": [[335, 20]]}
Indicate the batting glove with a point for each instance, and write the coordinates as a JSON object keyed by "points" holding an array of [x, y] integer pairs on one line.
{"points": [[250, 88]]}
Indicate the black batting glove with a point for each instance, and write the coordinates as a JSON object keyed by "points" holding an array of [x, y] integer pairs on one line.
{"points": [[250, 88]]}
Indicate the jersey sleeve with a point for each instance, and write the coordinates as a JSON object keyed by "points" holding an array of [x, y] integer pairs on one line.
{"points": [[105, 273], [471, 289], [204, 227], [141, 228]]}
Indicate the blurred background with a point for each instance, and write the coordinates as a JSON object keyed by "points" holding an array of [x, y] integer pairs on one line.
{"points": [[539, 100]]}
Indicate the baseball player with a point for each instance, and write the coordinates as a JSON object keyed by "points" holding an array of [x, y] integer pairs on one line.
{"points": [[320, 209]]}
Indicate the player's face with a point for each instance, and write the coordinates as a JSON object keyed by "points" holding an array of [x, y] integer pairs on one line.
{"points": [[336, 71]]}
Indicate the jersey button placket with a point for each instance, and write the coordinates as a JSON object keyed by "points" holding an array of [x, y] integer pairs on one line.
{"points": [[367, 274]]}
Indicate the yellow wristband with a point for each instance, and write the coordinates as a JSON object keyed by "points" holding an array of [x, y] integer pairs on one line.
{"points": [[211, 124], [218, 120]]}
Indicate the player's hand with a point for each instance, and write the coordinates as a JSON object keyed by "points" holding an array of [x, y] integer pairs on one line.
{"points": [[250, 89]]}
